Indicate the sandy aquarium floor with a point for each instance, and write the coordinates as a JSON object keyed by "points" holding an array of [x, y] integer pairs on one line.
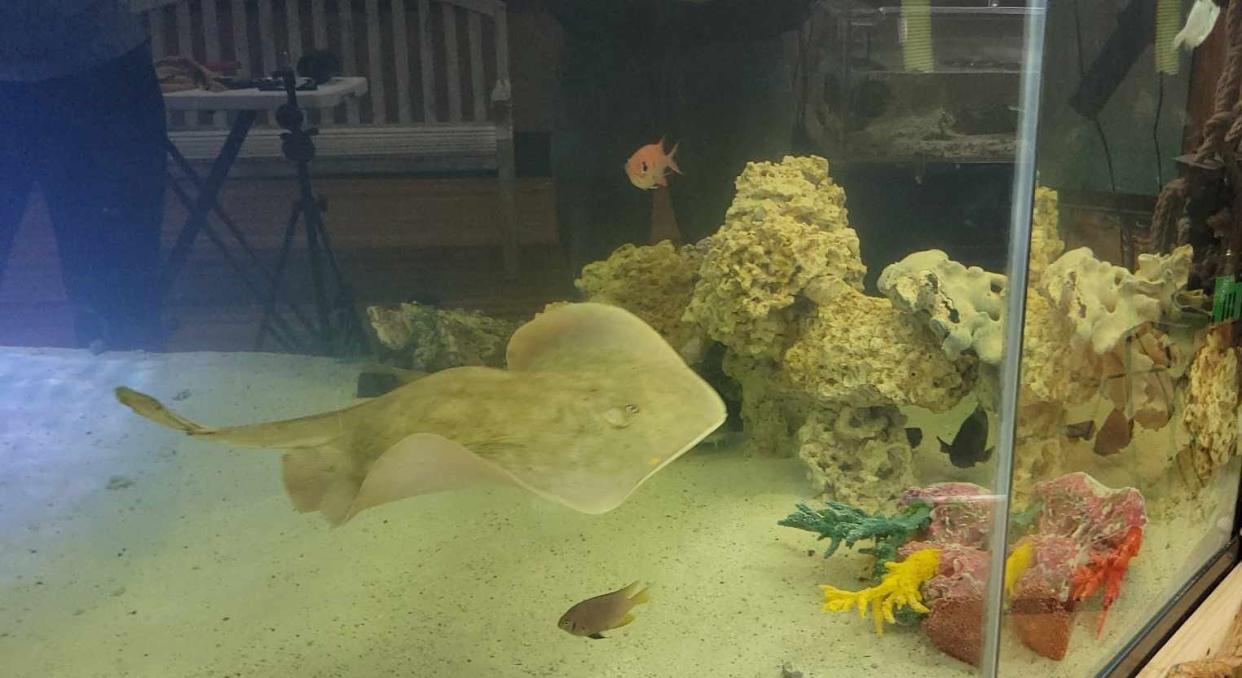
{"points": [[128, 550]]}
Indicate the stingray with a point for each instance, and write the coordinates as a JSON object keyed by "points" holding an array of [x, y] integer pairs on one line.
{"points": [[593, 403]]}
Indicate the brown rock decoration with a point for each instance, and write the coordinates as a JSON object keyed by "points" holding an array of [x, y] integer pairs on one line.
{"points": [[955, 596], [954, 628], [1042, 621], [1040, 610]]}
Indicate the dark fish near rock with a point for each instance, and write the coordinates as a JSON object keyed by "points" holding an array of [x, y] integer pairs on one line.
{"points": [[914, 436], [1114, 435], [969, 446], [1082, 430]]}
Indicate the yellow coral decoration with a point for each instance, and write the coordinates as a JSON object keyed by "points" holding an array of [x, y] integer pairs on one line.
{"points": [[899, 588], [1018, 561]]}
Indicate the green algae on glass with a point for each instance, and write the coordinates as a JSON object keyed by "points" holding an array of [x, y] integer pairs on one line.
{"points": [[845, 524]]}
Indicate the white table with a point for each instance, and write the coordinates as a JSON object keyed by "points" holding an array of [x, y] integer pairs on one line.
{"points": [[328, 95], [247, 104]]}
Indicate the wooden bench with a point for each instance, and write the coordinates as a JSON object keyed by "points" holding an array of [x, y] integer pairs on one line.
{"points": [[439, 96]]}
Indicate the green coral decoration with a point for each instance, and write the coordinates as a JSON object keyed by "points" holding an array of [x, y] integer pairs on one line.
{"points": [[1021, 521], [845, 524], [907, 617]]}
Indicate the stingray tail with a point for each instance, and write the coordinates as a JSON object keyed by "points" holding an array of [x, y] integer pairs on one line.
{"points": [[150, 408]]}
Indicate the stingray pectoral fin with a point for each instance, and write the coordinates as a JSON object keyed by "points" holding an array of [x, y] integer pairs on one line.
{"points": [[583, 334], [323, 479], [419, 464], [630, 406], [309, 431]]}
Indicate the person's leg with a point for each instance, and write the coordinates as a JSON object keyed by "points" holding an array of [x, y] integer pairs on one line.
{"points": [[15, 166], [104, 183]]}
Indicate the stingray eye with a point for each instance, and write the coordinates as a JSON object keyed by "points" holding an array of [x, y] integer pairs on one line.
{"points": [[619, 417], [631, 409]]}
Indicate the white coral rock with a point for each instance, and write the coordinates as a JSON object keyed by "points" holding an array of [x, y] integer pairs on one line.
{"points": [[1106, 302], [962, 305]]}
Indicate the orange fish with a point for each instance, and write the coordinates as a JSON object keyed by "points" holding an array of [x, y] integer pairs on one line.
{"points": [[649, 166]]}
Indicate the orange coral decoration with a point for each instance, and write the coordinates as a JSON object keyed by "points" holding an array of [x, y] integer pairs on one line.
{"points": [[1106, 570]]}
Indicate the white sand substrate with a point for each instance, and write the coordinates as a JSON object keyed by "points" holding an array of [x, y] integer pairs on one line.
{"points": [[130, 550]]}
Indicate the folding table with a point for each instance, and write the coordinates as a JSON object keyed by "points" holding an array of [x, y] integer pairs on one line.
{"points": [[246, 104]]}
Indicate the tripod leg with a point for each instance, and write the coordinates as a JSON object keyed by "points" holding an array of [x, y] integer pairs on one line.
{"points": [[281, 326], [347, 322], [336, 332], [206, 198], [314, 230], [298, 146], [269, 307], [191, 175]]}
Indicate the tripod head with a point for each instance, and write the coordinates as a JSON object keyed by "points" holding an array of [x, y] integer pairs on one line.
{"points": [[296, 142]]}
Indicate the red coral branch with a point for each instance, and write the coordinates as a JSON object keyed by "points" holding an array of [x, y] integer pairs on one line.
{"points": [[1106, 570]]}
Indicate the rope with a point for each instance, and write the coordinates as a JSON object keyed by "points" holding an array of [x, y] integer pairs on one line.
{"points": [[1222, 136], [1225, 107], [1227, 85], [1169, 205]]}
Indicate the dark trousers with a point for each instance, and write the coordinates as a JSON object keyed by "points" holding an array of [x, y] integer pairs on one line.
{"points": [[94, 143]]}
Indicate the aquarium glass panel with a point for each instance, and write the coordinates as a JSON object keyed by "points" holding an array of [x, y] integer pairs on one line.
{"points": [[642, 338], [1125, 481]]}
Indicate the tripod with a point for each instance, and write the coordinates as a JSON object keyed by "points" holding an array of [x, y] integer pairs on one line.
{"points": [[339, 328]]}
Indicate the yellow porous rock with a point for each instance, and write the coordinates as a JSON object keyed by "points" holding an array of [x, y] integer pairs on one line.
{"points": [[654, 282], [860, 456], [900, 587], [1211, 413], [1054, 369], [861, 350], [787, 227], [1046, 243]]}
